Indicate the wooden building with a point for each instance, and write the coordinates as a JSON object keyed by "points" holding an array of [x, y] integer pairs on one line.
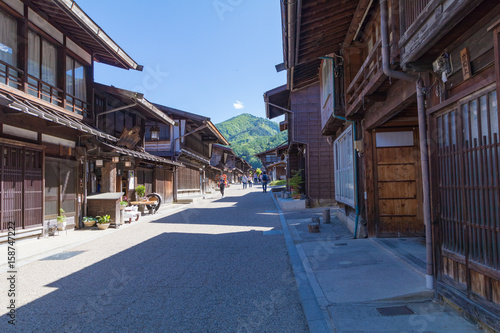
{"points": [[126, 165], [409, 90], [307, 150], [229, 164], [190, 142], [46, 108], [274, 161]]}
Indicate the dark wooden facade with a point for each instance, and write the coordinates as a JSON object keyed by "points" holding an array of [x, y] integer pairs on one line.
{"points": [[190, 142], [426, 38], [46, 80], [308, 150]]}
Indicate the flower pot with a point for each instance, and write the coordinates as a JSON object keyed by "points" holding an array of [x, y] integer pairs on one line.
{"points": [[296, 196], [61, 226], [89, 223], [103, 226]]}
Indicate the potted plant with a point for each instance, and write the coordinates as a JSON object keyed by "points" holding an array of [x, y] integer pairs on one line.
{"points": [[140, 191], [295, 182], [89, 221], [61, 220], [123, 203], [103, 222]]}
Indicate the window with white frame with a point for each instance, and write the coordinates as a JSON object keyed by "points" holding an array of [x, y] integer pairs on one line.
{"points": [[343, 150]]}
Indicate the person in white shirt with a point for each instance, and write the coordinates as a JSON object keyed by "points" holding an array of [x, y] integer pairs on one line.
{"points": [[244, 180]]}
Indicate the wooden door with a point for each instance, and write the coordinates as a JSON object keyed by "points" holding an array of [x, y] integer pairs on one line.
{"points": [[21, 191], [398, 186]]}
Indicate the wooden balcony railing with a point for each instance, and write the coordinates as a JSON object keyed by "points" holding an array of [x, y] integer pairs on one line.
{"points": [[45, 91], [410, 11], [78, 106], [11, 75], [366, 78], [14, 77]]}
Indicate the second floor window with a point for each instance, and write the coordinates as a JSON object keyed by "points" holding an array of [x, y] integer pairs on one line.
{"points": [[76, 86], [42, 69], [8, 39], [76, 81], [8, 50]]}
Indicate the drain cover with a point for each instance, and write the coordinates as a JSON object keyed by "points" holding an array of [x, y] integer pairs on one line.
{"points": [[395, 311], [272, 232], [340, 244], [63, 255]]}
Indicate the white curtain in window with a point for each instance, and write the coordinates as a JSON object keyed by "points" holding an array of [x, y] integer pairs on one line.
{"points": [[33, 55], [80, 82], [8, 39], [69, 76], [49, 63]]}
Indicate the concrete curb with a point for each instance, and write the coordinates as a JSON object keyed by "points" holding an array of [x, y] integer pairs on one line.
{"points": [[317, 317]]}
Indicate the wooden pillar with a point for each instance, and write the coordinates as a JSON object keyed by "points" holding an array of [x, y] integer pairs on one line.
{"points": [[108, 178], [369, 182]]}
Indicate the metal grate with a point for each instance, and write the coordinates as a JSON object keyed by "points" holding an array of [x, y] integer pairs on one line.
{"points": [[63, 255], [340, 244], [395, 311]]}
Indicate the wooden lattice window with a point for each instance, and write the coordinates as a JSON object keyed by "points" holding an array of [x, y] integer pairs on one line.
{"points": [[469, 184]]}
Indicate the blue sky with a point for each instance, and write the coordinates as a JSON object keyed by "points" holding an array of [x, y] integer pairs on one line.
{"points": [[211, 57]]}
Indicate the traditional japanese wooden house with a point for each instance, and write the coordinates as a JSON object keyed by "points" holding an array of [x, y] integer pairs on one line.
{"points": [[190, 141], [128, 116], [404, 83], [308, 151], [229, 164], [274, 161], [457, 44], [47, 55]]}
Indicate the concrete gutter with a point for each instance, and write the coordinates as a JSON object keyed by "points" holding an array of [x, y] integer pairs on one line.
{"points": [[309, 290]]}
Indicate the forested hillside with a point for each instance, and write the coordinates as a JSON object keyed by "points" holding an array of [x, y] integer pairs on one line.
{"points": [[249, 135]]}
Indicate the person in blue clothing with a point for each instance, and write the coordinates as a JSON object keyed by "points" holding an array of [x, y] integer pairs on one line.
{"points": [[265, 179]]}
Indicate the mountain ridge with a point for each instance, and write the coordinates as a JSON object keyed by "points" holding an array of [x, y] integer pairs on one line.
{"points": [[249, 135]]}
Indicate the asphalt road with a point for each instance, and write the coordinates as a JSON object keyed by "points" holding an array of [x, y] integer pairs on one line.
{"points": [[209, 268]]}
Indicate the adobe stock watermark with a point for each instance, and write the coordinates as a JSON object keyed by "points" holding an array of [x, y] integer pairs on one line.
{"points": [[152, 80], [223, 6]]}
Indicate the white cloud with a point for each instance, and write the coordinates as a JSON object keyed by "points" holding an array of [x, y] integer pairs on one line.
{"points": [[238, 105]]}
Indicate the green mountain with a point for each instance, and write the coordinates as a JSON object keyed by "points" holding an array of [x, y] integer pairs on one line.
{"points": [[250, 135]]}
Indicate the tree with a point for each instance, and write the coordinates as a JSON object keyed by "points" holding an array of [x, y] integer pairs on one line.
{"points": [[258, 172]]}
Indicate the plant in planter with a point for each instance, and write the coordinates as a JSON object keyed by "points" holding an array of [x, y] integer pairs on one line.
{"points": [[103, 222], [295, 183], [140, 191], [61, 220], [123, 204], [89, 221]]}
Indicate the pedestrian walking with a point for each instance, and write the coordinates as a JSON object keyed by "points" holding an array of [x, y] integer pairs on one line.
{"points": [[264, 179], [222, 184], [244, 180], [255, 178], [250, 181]]}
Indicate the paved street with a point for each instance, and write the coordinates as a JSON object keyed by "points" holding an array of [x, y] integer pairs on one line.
{"points": [[210, 268]]}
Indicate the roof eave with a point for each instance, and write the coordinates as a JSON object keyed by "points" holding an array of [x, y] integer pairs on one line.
{"points": [[73, 10]]}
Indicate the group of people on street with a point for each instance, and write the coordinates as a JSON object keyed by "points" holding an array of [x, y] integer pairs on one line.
{"points": [[246, 181]]}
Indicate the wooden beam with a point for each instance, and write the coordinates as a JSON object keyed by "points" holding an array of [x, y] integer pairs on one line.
{"points": [[398, 98], [356, 21]]}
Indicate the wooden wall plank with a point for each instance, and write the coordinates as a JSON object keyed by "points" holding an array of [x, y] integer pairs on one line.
{"points": [[396, 172]]}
